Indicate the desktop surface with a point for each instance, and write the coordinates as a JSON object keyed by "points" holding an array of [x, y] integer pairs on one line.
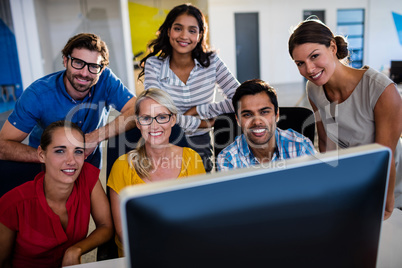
{"points": [[323, 211]]}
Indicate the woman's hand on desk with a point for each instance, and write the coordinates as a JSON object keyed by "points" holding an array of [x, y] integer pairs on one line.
{"points": [[389, 207], [72, 256]]}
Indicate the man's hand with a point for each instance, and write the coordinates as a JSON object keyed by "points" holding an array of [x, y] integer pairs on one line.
{"points": [[11, 146], [120, 124], [91, 142]]}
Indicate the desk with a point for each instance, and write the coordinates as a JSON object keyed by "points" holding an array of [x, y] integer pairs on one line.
{"points": [[389, 253], [113, 263]]}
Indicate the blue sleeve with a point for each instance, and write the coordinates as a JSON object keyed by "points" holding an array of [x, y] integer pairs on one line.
{"points": [[27, 111], [117, 93], [224, 161], [308, 147]]}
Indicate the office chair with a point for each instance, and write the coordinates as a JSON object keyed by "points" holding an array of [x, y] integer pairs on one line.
{"points": [[116, 147], [225, 131], [299, 119], [14, 174], [395, 72]]}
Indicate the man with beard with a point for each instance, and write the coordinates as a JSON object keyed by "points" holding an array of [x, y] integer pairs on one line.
{"points": [[83, 93], [257, 112]]}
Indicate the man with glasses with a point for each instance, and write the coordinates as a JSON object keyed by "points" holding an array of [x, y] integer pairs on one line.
{"points": [[83, 93]]}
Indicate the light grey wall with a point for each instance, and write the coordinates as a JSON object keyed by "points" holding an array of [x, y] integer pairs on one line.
{"points": [[57, 20], [27, 38], [382, 43], [64, 19], [277, 18], [46, 45], [43, 31]]}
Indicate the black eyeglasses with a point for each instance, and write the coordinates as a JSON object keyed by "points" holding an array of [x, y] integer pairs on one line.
{"points": [[147, 120], [79, 64]]}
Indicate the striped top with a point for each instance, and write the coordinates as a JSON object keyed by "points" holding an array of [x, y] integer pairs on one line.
{"points": [[199, 90], [289, 144]]}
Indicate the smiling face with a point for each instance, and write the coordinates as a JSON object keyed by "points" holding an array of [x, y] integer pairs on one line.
{"points": [[184, 34], [257, 119], [64, 156], [79, 82], [316, 62], [155, 134]]}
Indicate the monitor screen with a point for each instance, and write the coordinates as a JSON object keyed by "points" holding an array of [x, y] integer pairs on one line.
{"points": [[322, 211]]}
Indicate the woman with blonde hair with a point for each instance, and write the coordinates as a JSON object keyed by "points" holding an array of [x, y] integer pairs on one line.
{"points": [[154, 159]]}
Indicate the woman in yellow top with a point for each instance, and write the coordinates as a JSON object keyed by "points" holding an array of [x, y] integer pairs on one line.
{"points": [[154, 159]]}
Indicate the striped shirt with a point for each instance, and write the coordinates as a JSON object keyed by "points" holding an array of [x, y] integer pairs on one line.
{"points": [[199, 90], [289, 144]]}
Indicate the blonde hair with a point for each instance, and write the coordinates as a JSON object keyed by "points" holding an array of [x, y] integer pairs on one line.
{"points": [[138, 158]]}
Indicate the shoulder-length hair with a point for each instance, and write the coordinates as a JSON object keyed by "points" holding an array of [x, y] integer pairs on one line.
{"points": [[138, 158]]}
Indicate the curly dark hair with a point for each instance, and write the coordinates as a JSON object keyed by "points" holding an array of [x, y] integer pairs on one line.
{"points": [[161, 46]]}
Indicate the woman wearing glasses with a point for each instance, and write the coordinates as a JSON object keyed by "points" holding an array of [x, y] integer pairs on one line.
{"points": [[154, 159]]}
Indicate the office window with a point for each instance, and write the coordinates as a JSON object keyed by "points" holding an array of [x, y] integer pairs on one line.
{"points": [[351, 24]]}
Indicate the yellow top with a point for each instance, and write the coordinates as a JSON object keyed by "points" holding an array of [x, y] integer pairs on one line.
{"points": [[123, 175]]}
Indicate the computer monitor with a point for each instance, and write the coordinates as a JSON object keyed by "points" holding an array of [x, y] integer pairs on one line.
{"points": [[395, 71], [322, 211]]}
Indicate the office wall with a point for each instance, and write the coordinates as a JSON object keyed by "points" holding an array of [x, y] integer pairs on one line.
{"points": [[277, 18], [27, 39], [382, 40], [42, 31], [58, 20]]}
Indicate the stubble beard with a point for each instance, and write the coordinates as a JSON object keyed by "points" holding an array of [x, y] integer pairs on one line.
{"points": [[80, 88], [258, 143]]}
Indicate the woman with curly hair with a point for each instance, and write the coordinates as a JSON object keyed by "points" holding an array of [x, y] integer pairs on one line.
{"points": [[181, 64]]}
